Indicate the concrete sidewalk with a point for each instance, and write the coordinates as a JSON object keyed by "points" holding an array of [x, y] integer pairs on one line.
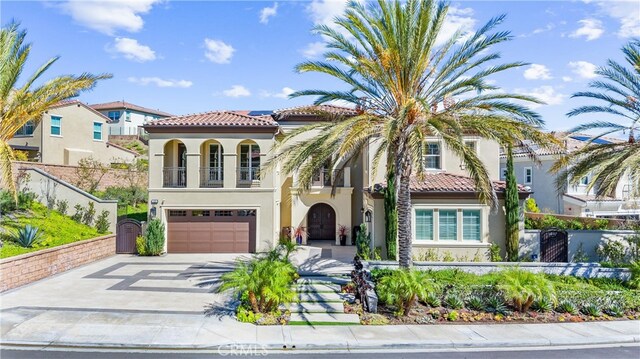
{"points": [[39, 327]]}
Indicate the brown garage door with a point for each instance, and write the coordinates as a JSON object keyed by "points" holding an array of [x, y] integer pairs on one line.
{"points": [[211, 231]]}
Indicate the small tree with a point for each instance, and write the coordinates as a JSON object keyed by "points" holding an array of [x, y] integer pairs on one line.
{"points": [[89, 174], [512, 210], [102, 222], [155, 237]]}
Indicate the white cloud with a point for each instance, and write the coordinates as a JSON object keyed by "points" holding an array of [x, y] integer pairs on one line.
{"points": [[458, 19], [109, 16], [237, 91], [268, 12], [314, 49], [544, 93], [539, 30], [131, 49], [537, 72], [591, 29], [217, 51], [566, 79], [144, 81], [627, 12], [284, 93], [584, 69], [323, 12]]}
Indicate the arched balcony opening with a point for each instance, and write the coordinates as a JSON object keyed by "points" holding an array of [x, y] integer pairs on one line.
{"points": [[211, 164], [174, 172], [249, 164]]}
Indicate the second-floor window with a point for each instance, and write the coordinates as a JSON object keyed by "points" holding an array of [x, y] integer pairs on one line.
{"points": [[585, 180], [97, 131], [114, 115], [249, 162], [56, 124], [127, 116], [528, 175], [432, 156], [26, 130], [471, 145], [215, 162]]}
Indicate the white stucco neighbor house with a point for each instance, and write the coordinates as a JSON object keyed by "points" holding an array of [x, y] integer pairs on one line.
{"points": [[572, 199], [127, 118], [206, 187], [68, 132]]}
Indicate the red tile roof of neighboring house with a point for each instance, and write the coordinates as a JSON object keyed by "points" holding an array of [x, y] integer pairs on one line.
{"points": [[214, 119], [128, 106], [443, 182], [314, 110], [122, 148], [591, 198], [570, 144], [65, 103]]}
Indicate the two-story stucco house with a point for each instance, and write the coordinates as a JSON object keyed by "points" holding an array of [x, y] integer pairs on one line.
{"points": [[67, 133], [126, 118], [573, 200], [205, 185]]}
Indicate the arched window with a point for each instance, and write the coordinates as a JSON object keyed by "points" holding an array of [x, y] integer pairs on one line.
{"points": [[249, 162]]}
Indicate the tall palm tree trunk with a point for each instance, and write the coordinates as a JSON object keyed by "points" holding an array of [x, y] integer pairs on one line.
{"points": [[403, 192]]}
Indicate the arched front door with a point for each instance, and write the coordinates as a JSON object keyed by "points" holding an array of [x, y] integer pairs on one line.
{"points": [[321, 222]]}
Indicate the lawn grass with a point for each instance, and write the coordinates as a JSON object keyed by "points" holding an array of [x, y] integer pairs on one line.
{"points": [[138, 213], [57, 228]]}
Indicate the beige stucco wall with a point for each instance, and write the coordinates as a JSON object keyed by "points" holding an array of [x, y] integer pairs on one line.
{"points": [[76, 138], [341, 204]]}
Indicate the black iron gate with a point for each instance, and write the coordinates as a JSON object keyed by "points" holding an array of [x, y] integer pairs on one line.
{"points": [[127, 231], [554, 245]]}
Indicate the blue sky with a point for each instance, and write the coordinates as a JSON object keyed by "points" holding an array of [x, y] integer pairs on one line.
{"points": [[186, 57]]}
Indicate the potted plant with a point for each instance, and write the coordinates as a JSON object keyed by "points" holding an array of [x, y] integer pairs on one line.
{"points": [[342, 233], [298, 233]]}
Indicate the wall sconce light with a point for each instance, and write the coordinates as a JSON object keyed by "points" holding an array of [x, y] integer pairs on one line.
{"points": [[367, 216], [154, 202], [152, 212]]}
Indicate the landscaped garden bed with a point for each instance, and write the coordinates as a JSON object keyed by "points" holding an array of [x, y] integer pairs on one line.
{"points": [[509, 296]]}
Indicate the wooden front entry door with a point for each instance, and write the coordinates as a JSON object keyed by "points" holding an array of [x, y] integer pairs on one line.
{"points": [[321, 221]]}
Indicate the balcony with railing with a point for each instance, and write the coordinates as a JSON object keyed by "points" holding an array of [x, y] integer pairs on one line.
{"points": [[248, 176], [323, 179], [174, 177], [211, 177]]}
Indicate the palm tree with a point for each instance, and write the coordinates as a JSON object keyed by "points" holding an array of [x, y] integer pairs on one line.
{"points": [[608, 161], [406, 87], [19, 104]]}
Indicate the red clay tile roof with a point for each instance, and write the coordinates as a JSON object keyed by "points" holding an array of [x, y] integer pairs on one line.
{"points": [[122, 148], [129, 106], [592, 198], [570, 144], [214, 119], [443, 182], [314, 110], [65, 103]]}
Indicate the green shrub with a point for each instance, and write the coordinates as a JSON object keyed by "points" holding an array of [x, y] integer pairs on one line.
{"points": [[7, 203], [447, 257], [62, 206], [262, 284], [494, 253], [27, 236], [575, 225], [522, 288], [475, 302], [155, 237], [580, 256], [87, 215], [247, 316], [102, 222], [634, 281], [363, 243], [403, 288], [600, 224], [452, 316], [79, 213], [454, 301], [141, 246], [549, 221], [530, 205], [432, 300], [614, 311], [495, 304], [567, 307], [612, 251], [592, 310], [429, 255]]}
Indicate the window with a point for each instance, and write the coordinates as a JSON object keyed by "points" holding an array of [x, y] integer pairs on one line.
{"points": [[177, 213], [424, 224], [26, 130], [127, 115], [200, 213], [471, 145], [432, 155], [528, 175], [97, 131], [584, 181], [249, 162], [114, 115], [470, 225], [223, 213], [56, 123], [448, 225], [215, 162], [247, 213], [503, 174]]}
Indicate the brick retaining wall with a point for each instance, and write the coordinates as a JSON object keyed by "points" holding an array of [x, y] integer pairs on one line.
{"points": [[30, 267]]}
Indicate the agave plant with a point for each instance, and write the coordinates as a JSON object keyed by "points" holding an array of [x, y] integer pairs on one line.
{"points": [[475, 302], [27, 236], [454, 301], [592, 310], [567, 307], [542, 305]]}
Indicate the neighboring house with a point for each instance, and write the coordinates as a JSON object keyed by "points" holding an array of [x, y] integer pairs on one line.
{"points": [[570, 199], [127, 118], [67, 133], [205, 185]]}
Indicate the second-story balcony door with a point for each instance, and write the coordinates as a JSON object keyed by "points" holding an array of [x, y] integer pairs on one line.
{"points": [[249, 163], [213, 174]]}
